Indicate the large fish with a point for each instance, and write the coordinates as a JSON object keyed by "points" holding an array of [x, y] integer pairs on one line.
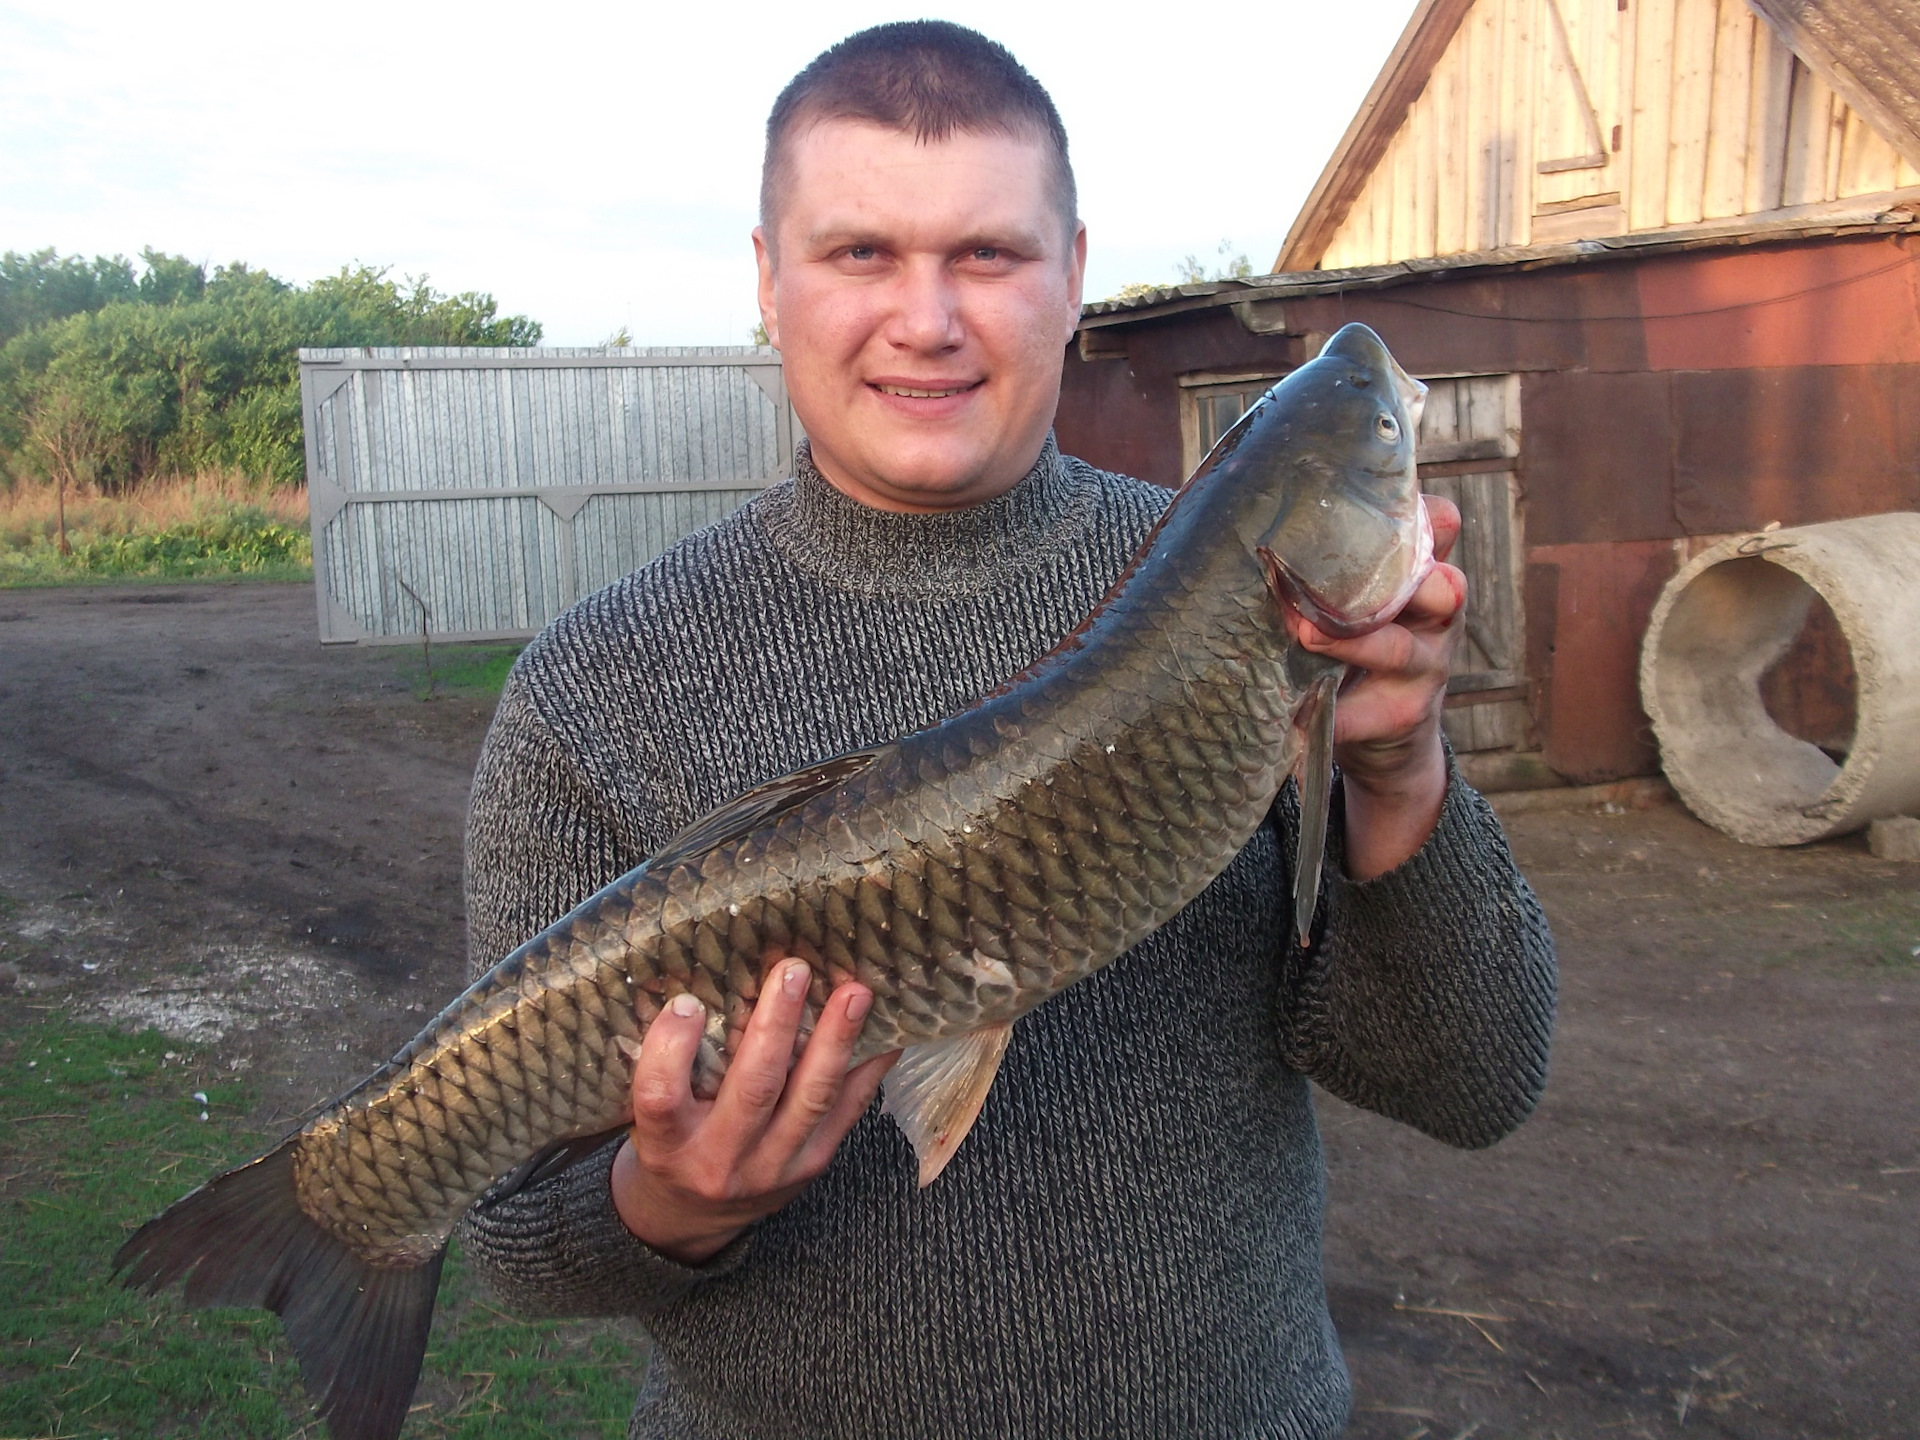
{"points": [[966, 873]]}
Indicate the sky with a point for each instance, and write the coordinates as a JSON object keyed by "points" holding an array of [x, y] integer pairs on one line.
{"points": [[596, 165]]}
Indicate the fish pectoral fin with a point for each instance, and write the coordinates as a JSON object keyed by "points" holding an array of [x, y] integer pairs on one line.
{"points": [[542, 1166], [1315, 772], [935, 1092], [763, 803]]}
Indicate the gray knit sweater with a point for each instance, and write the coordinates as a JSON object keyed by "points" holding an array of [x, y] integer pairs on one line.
{"points": [[1128, 1243]]}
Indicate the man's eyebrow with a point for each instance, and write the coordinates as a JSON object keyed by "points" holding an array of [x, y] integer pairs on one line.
{"points": [[835, 237], [1018, 239], [1024, 242]]}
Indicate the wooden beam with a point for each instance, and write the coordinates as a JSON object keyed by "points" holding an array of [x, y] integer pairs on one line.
{"points": [[1398, 85]]}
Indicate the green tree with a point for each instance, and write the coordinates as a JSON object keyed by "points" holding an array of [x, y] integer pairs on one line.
{"points": [[171, 279], [1230, 264], [182, 369], [42, 286], [63, 440]]}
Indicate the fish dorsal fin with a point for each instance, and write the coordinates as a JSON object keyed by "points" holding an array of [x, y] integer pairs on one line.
{"points": [[762, 804], [1316, 799], [935, 1092]]}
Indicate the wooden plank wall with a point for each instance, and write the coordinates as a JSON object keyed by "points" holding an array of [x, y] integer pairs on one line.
{"points": [[1550, 120], [1468, 446]]}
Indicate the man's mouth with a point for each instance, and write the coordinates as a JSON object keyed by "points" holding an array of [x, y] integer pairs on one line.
{"points": [[924, 392]]}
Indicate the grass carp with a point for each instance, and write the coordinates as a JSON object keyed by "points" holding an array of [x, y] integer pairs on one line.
{"points": [[965, 873]]}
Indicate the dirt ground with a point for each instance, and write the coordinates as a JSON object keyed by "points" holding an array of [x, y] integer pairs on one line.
{"points": [[211, 824]]}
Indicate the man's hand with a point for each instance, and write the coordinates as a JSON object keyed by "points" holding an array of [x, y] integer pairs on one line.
{"points": [[1387, 726], [695, 1173]]}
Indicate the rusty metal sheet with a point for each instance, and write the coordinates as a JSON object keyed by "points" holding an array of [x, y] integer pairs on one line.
{"points": [[1836, 302], [1562, 319], [1601, 596], [1799, 445], [1110, 416], [1598, 458]]}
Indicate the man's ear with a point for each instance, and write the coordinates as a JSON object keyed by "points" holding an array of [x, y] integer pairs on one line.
{"points": [[769, 311], [1076, 276]]}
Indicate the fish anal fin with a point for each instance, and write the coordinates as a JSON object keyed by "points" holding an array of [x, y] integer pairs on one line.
{"points": [[761, 804], [1315, 773], [358, 1328], [935, 1092]]}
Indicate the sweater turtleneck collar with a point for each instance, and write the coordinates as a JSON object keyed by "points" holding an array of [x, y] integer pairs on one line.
{"points": [[944, 553]]}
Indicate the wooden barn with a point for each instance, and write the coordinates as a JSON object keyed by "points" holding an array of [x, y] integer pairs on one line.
{"points": [[1656, 260]]}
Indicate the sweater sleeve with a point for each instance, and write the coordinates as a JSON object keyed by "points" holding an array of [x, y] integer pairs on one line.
{"points": [[538, 843], [1429, 996]]}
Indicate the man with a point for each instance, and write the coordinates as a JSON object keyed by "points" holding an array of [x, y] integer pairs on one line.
{"points": [[1128, 1243]]}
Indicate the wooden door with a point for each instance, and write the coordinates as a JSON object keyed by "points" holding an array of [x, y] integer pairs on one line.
{"points": [[1469, 444]]}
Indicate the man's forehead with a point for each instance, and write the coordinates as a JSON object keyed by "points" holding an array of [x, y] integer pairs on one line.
{"points": [[852, 173], [837, 144]]}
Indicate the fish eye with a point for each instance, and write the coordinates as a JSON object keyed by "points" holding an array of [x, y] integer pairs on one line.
{"points": [[1386, 427]]}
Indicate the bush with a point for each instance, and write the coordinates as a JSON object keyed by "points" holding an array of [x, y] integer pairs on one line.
{"points": [[105, 380], [239, 542], [213, 523]]}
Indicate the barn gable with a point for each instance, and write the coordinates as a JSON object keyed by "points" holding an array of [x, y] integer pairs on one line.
{"points": [[1500, 123]]}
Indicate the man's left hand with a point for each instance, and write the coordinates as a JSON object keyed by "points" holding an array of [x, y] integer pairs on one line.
{"points": [[1387, 726]]}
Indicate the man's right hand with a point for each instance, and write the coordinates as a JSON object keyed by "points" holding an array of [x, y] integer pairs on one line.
{"points": [[695, 1173]]}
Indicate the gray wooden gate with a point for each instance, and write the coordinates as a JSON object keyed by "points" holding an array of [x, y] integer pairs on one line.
{"points": [[479, 492]]}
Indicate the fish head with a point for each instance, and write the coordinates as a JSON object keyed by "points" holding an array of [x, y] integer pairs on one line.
{"points": [[1336, 516]]}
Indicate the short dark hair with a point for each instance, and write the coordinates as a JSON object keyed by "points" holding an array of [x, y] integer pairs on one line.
{"points": [[927, 77]]}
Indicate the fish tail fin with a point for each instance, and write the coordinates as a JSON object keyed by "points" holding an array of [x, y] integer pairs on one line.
{"points": [[1316, 801], [358, 1329]]}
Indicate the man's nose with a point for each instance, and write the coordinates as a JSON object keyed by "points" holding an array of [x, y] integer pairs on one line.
{"points": [[926, 311]]}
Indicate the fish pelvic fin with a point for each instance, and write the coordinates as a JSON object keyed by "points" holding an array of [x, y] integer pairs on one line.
{"points": [[358, 1329], [1315, 772], [935, 1092]]}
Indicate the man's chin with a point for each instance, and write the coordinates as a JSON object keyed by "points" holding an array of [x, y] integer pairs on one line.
{"points": [[912, 474]]}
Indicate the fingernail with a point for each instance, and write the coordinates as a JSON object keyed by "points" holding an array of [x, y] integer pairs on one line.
{"points": [[629, 1046], [686, 1006], [794, 980], [858, 1005]]}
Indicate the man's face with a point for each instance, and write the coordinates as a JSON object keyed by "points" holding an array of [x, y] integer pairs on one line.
{"points": [[921, 295]]}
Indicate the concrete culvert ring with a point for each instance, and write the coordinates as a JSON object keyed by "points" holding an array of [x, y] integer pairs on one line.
{"points": [[1730, 615]]}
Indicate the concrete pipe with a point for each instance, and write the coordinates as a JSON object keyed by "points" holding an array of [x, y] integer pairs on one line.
{"points": [[1735, 610]]}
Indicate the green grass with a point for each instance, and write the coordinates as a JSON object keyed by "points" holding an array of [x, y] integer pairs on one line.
{"points": [[1877, 933], [99, 1131], [1883, 930], [239, 540], [474, 669]]}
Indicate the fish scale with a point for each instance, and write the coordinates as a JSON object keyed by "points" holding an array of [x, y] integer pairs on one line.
{"points": [[1041, 883], [965, 874]]}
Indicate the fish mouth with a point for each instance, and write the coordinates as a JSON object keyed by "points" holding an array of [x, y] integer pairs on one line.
{"points": [[1371, 605]]}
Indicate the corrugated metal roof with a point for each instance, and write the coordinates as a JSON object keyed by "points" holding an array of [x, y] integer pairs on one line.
{"points": [[1173, 299]]}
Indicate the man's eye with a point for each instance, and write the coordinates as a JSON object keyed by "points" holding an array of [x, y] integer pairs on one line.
{"points": [[860, 252], [986, 252]]}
